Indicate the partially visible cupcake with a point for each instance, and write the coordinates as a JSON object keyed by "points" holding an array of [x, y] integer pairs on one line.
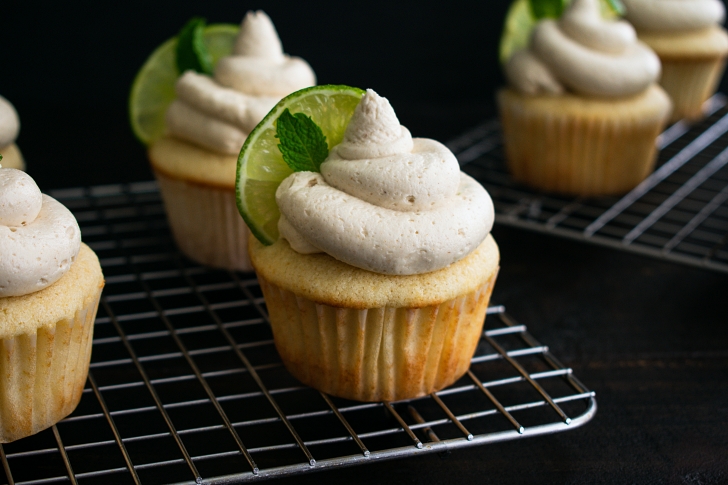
{"points": [[9, 128], [688, 37], [378, 286], [583, 110], [206, 127], [50, 285]]}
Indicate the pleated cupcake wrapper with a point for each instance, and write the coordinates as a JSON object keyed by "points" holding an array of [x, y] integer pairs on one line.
{"points": [[378, 353], [205, 223], [42, 375], [573, 155], [690, 84]]}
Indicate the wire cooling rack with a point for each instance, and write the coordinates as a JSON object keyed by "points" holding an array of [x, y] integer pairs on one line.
{"points": [[185, 384], [678, 213]]}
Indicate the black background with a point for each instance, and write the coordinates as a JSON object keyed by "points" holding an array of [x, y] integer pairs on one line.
{"points": [[651, 338], [68, 67]]}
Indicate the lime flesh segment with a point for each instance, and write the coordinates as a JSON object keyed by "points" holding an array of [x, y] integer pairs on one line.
{"points": [[261, 168], [153, 89], [520, 21]]}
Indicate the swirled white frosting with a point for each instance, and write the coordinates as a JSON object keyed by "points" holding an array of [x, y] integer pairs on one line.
{"points": [[674, 15], [385, 202], [39, 237], [218, 114], [9, 123], [584, 53]]}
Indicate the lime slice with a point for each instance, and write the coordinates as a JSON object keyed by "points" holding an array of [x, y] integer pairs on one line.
{"points": [[261, 168], [520, 21], [153, 89]]}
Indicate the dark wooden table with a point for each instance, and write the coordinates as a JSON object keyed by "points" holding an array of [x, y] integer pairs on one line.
{"points": [[650, 337]]}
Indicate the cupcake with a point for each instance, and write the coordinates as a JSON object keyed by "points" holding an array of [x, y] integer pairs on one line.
{"points": [[378, 285], [691, 44], [9, 128], [50, 285], [207, 125], [582, 110]]}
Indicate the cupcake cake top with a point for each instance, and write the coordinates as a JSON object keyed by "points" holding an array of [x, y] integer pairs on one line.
{"points": [[384, 201], [674, 15], [218, 113], [9, 123], [583, 53], [39, 237]]}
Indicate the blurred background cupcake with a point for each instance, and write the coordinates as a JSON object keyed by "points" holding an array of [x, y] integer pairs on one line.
{"points": [[688, 37], [9, 129], [216, 103], [582, 110]]}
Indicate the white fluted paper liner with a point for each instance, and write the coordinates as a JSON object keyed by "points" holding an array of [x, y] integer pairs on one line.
{"points": [[205, 223], [42, 374], [689, 83], [378, 353], [582, 146]]}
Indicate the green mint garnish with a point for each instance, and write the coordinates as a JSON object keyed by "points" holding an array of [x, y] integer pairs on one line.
{"points": [[303, 144], [617, 7], [552, 9], [542, 9], [191, 50]]}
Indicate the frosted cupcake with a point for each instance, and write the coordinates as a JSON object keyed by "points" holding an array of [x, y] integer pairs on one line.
{"points": [[583, 109], [692, 45], [206, 127], [50, 285], [378, 285], [9, 128]]}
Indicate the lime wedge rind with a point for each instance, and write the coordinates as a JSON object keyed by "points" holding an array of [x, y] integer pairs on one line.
{"points": [[260, 164], [152, 90]]}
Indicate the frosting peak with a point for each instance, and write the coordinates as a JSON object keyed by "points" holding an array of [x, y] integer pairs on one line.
{"points": [[584, 53], [39, 237], [258, 65], [258, 38], [374, 131], [218, 114], [385, 202]]}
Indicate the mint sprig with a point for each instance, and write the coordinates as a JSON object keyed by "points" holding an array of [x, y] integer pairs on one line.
{"points": [[191, 50], [551, 9], [302, 142], [617, 7]]}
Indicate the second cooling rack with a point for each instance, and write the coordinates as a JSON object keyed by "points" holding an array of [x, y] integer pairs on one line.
{"points": [[679, 213]]}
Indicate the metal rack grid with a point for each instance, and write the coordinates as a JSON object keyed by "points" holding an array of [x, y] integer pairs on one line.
{"points": [[678, 213], [185, 384]]}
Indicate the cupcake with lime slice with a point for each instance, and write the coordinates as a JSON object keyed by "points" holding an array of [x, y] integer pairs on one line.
{"points": [[582, 110], [691, 43], [373, 249], [9, 128], [194, 103]]}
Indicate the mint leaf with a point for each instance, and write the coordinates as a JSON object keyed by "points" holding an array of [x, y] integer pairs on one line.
{"points": [[617, 7], [191, 50], [303, 144], [542, 9]]}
